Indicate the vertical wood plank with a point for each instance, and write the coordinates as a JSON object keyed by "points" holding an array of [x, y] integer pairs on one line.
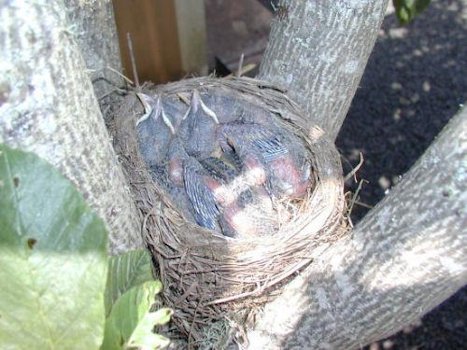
{"points": [[159, 30], [191, 26]]}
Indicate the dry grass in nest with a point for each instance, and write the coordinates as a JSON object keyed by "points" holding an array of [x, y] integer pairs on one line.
{"points": [[208, 276]]}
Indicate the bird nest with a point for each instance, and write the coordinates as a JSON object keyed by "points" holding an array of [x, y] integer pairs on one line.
{"points": [[209, 276]]}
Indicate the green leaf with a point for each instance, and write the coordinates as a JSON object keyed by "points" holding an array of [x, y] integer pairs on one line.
{"points": [[144, 338], [150, 341], [126, 271], [406, 10], [131, 318], [53, 260]]}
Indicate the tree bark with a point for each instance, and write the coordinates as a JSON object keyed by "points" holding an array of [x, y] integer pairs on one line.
{"points": [[94, 29], [318, 51], [47, 106], [405, 257]]}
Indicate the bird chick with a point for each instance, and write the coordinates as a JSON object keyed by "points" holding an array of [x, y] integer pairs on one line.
{"points": [[251, 138], [198, 189], [220, 168], [202, 123], [175, 109], [176, 194], [297, 169], [288, 178], [176, 157], [155, 130], [265, 155], [254, 145], [228, 106], [252, 214], [229, 196], [236, 151]]}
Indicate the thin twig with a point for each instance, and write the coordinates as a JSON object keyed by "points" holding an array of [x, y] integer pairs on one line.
{"points": [[363, 205], [110, 92], [354, 170], [240, 65], [128, 80], [190, 289], [190, 336], [354, 199], [246, 68], [132, 58]]}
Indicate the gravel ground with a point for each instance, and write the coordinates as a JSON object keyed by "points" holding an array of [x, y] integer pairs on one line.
{"points": [[415, 80]]}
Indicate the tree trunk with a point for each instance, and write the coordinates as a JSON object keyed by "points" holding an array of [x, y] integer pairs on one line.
{"points": [[318, 51], [405, 257], [47, 106], [93, 26]]}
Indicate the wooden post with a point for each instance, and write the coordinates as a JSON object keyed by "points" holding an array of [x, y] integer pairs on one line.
{"points": [[169, 38]]}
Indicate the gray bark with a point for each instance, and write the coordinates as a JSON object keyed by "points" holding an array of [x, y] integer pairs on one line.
{"points": [[93, 27], [318, 51], [47, 106], [405, 257]]}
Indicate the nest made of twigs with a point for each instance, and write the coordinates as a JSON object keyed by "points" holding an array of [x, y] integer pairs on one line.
{"points": [[208, 276]]}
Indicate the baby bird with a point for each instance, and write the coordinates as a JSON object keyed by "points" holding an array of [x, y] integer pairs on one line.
{"points": [[289, 176], [155, 130], [251, 214], [201, 123], [266, 156], [198, 186], [177, 194], [220, 169], [176, 157], [245, 210]]}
